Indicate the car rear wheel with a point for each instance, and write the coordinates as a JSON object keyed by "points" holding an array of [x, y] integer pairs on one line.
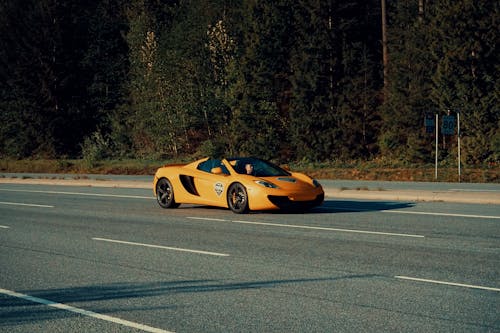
{"points": [[237, 198], [165, 194]]}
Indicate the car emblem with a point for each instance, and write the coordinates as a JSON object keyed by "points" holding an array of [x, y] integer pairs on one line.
{"points": [[219, 188]]}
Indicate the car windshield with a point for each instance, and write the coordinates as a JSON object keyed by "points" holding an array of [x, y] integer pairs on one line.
{"points": [[259, 168]]}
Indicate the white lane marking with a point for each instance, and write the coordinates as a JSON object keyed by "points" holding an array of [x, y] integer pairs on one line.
{"points": [[466, 190], [447, 283], [309, 227], [24, 204], [161, 247], [440, 214], [208, 219], [83, 312], [81, 193], [417, 213], [4, 227]]}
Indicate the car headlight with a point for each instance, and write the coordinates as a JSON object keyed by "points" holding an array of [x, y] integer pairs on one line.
{"points": [[266, 184], [316, 183]]}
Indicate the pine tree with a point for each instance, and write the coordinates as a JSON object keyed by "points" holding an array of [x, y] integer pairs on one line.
{"points": [[314, 126], [465, 49], [408, 90], [259, 81], [360, 81]]}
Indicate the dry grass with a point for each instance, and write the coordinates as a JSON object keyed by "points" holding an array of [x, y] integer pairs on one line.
{"points": [[361, 171]]}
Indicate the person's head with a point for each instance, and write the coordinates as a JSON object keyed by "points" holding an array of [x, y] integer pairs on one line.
{"points": [[249, 168]]}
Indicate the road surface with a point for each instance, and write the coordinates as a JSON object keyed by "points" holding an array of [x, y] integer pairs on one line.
{"points": [[103, 259]]}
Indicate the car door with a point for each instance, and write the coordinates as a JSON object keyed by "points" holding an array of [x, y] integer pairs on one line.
{"points": [[212, 187]]}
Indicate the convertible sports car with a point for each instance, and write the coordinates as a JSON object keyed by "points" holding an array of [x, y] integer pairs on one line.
{"points": [[240, 184]]}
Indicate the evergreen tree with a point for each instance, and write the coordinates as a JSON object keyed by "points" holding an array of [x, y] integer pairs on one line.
{"points": [[147, 121], [335, 77], [465, 50], [314, 125], [360, 81], [57, 58], [31, 77], [105, 61], [259, 82], [288, 79], [408, 92]]}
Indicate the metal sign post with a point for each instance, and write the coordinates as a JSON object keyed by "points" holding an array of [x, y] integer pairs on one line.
{"points": [[458, 136], [447, 129], [437, 144]]}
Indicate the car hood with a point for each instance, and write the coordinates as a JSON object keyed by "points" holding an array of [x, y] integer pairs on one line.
{"points": [[289, 183]]}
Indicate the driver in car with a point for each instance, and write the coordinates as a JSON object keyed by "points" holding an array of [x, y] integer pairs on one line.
{"points": [[249, 169]]}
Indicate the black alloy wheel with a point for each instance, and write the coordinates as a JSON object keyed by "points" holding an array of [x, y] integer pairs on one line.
{"points": [[237, 198], [165, 194]]}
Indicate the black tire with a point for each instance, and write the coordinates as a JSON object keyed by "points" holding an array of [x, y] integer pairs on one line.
{"points": [[165, 194], [237, 198]]}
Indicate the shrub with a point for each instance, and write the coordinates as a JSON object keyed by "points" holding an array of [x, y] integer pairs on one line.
{"points": [[94, 148]]}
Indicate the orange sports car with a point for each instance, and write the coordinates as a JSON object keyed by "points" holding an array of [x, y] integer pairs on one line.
{"points": [[240, 184]]}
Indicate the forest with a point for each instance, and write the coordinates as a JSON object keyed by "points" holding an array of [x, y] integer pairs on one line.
{"points": [[310, 80]]}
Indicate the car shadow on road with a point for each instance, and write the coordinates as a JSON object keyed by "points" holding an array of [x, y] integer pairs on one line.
{"points": [[328, 207], [353, 206]]}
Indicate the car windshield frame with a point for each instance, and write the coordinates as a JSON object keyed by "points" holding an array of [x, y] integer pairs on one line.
{"points": [[261, 168]]}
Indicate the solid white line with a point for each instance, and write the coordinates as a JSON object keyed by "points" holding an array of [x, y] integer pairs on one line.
{"points": [[81, 193], [441, 214], [83, 312], [310, 227], [161, 247], [466, 190], [447, 283], [419, 213], [24, 204]]}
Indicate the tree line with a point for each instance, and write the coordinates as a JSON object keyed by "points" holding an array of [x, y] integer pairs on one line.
{"points": [[311, 80]]}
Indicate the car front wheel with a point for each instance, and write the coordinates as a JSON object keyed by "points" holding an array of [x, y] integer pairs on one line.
{"points": [[237, 198], [165, 194]]}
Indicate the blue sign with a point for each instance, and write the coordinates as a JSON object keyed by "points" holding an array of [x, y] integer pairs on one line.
{"points": [[448, 125], [429, 123]]}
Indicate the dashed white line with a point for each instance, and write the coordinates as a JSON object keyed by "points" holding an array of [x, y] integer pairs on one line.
{"points": [[161, 247], [308, 227], [83, 312], [447, 283], [4, 227], [24, 204]]}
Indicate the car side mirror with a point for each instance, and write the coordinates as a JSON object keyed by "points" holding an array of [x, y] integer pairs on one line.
{"points": [[217, 171], [285, 167]]}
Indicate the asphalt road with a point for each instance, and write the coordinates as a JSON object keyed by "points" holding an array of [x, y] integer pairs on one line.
{"points": [[95, 259]]}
